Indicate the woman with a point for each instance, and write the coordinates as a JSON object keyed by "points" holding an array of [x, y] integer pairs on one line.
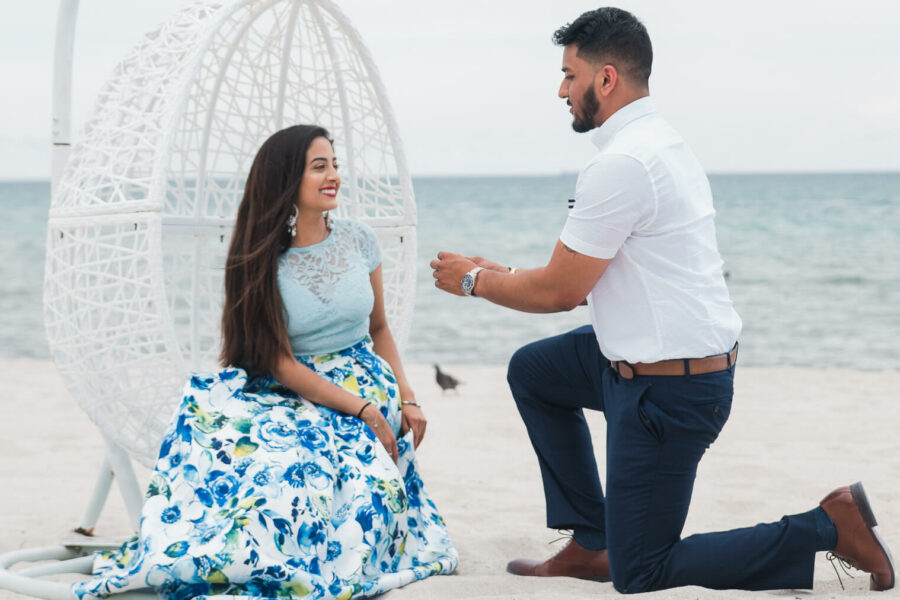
{"points": [[282, 475]]}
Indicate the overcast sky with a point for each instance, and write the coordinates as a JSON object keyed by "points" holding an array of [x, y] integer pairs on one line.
{"points": [[788, 85]]}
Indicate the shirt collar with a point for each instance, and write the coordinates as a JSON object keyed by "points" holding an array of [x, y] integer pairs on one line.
{"points": [[622, 117]]}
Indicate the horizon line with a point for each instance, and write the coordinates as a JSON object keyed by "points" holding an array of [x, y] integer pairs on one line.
{"points": [[569, 173]]}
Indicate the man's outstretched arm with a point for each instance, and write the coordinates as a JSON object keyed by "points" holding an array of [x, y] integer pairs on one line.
{"points": [[559, 286]]}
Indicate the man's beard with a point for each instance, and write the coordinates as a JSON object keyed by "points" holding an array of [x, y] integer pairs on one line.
{"points": [[584, 118]]}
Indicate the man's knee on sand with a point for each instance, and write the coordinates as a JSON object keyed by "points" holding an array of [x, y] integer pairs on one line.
{"points": [[634, 582], [635, 568]]}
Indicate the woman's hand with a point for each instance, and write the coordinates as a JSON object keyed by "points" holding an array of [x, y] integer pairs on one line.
{"points": [[412, 418], [379, 426]]}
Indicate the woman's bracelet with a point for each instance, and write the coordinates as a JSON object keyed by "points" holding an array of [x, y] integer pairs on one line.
{"points": [[408, 403], [359, 414]]}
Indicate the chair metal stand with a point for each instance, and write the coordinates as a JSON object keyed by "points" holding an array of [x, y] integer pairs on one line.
{"points": [[75, 553]]}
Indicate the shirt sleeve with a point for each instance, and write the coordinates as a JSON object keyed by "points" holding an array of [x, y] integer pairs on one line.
{"points": [[370, 248], [613, 194]]}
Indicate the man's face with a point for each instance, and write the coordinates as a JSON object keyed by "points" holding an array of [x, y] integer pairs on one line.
{"points": [[577, 88]]}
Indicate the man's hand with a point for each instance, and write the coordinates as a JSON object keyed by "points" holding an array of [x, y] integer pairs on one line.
{"points": [[489, 264], [449, 269]]}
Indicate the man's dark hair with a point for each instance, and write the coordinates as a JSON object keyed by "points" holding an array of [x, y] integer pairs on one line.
{"points": [[610, 34]]}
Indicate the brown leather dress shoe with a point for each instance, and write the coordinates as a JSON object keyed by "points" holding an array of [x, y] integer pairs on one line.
{"points": [[857, 541], [572, 561]]}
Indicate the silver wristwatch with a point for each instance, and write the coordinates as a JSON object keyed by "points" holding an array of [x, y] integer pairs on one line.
{"points": [[468, 281]]}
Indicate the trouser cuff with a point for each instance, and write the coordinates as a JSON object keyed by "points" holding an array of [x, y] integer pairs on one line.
{"points": [[590, 539]]}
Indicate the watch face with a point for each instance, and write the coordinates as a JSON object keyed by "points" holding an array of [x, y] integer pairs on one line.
{"points": [[468, 282]]}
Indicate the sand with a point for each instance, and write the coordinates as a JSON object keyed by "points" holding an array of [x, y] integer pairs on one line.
{"points": [[794, 435]]}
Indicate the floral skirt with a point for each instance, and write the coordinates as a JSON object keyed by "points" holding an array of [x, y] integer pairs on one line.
{"points": [[258, 492]]}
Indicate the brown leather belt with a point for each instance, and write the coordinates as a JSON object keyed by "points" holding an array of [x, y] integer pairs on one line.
{"points": [[677, 367]]}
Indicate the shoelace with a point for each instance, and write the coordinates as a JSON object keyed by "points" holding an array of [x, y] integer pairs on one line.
{"points": [[845, 566], [564, 534]]}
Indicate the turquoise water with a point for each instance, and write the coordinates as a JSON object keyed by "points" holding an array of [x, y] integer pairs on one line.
{"points": [[811, 260]]}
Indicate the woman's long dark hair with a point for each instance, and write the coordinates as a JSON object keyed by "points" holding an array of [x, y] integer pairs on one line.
{"points": [[254, 333]]}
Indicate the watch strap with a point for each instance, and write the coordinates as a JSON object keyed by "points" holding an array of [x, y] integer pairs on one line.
{"points": [[469, 280]]}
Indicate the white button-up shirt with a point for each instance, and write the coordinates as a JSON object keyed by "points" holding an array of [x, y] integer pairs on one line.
{"points": [[645, 202]]}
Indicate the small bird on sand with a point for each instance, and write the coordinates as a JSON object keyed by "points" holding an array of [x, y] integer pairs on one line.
{"points": [[447, 382]]}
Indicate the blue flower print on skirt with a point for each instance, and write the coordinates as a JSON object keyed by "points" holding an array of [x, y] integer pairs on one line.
{"points": [[258, 492]]}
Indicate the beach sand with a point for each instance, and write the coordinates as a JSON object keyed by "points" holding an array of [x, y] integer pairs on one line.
{"points": [[793, 436]]}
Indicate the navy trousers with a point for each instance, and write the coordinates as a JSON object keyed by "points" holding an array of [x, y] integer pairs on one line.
{"points": [[657, 430]]}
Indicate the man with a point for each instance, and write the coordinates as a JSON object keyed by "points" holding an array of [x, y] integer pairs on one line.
{"points": [[640, 246]]}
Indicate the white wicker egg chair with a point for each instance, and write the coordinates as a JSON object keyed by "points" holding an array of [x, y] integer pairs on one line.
{"points": [[143, 206]]}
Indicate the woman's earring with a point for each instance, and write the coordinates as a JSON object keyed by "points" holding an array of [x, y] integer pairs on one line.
{"points": [[328, 223], [292, 222]]}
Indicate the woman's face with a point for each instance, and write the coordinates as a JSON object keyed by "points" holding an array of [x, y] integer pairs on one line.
{"points": [[320, 183]]}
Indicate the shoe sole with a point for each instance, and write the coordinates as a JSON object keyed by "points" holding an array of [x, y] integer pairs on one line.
{"points": [[530, 573], [865, 510], [599, 579]]}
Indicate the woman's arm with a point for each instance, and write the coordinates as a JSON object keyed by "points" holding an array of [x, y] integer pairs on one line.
{"points": [[315, 388], [307, 383], [387, 349]]}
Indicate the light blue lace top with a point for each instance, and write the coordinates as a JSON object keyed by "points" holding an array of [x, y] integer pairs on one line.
{"points": [[326, 289]]}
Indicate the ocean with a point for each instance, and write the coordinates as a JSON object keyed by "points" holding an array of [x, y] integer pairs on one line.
{"points": [[811, 261]]}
